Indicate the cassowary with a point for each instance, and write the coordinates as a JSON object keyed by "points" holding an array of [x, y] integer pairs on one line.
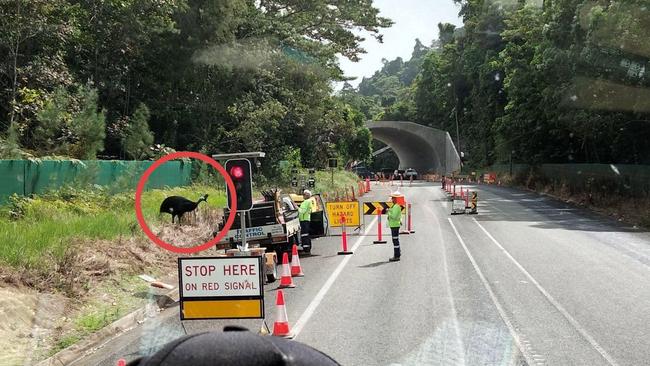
{"points": [[177, 206]]}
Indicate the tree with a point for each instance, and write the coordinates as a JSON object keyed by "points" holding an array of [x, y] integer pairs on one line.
{"points": [[320, 28], [87, 125], [138, 138], [32, 35], [360, 147], [216, 76], [52, 120]]}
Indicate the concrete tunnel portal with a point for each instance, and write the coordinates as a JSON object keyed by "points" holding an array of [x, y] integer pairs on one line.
{"points": [[425, 149]]}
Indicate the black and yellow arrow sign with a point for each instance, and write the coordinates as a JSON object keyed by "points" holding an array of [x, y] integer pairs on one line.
{"points": [[372, 208]]}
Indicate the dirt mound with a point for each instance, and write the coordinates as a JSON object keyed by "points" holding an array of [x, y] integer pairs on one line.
{"points": [[85, 261], [27, 322], [195, 229]]}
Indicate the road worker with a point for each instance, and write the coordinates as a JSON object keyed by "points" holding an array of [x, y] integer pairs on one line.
{"points": [[304, 215], [395, 222]]}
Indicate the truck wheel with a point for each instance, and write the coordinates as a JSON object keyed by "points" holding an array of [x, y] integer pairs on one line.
{"points": [[272, 274]]}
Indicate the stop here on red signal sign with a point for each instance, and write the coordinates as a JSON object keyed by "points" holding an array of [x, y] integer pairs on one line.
{"points": [[220, 277]]}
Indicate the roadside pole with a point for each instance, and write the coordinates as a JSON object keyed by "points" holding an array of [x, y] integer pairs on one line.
{"points": [[244, 245], [332, 163]]}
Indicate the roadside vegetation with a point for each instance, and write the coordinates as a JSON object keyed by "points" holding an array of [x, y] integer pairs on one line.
{"points": [[33, 230], [85, 80]]}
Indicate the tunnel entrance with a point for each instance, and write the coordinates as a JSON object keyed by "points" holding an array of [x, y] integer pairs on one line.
{"points": [[426, 149]]}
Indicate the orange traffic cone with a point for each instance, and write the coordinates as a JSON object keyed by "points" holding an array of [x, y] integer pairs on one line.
{"points": [[281, 326], [296, 269], [286, 280]]}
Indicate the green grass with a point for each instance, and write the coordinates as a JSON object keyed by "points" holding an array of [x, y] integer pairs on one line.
{"points": [[342, 180], [34, 229], [64, 343]]}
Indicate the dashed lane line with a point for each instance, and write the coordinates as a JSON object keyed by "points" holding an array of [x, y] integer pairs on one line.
{"points": [[515, 335]]}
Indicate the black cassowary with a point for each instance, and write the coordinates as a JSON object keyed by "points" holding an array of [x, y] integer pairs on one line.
{"points": [[177, 206]]}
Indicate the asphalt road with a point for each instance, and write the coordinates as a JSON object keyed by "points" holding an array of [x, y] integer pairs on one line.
{"points": [[528, 281]]}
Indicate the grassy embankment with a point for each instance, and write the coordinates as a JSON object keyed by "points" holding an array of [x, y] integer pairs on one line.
{"points": [[37, 230], [34, 231]]}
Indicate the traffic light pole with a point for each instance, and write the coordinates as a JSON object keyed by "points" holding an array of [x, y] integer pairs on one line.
{"points": [[244, 245]]}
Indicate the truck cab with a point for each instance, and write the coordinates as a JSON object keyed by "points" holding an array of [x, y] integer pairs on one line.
{"points": [[271, 223]]}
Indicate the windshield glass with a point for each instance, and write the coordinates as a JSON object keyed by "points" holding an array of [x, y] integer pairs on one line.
{"points": [[460, 182]]}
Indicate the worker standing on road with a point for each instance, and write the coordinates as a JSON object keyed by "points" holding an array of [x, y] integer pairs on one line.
{"points": [[304, 215], [395, 222]]}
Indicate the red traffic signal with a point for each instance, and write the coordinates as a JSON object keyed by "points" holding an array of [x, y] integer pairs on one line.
{"points": [[239, 171]]}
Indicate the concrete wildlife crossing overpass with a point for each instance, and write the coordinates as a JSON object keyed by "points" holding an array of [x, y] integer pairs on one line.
{"points": [[425, 149]]}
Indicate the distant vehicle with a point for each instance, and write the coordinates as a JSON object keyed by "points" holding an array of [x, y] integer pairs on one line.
{"points": [[398, 174], [410, 172], [363, 173], [386, 172]]}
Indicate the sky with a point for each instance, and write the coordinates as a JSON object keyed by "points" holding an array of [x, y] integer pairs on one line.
{"points": [[413, 19]]}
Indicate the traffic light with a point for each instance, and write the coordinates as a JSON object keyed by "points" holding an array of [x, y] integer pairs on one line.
{"points": [[239, 171], [311, 183]]}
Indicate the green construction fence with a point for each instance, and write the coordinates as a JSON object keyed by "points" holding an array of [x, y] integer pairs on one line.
{"points": [[28, 177]]}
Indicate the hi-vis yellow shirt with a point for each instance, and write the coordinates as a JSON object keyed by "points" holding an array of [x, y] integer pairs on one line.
{"points": [[304, 211], [395, 216]]}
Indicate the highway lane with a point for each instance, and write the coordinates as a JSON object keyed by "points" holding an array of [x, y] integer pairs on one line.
{"points": [[527, 281], [579, 283]]}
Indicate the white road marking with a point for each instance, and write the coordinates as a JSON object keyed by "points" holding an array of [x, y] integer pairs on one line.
{"points": [[311, 308], [552, 300], [497, 304]]}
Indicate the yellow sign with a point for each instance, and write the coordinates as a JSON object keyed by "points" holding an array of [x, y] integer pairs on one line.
{"points": [[349, 210], [223, 309]]}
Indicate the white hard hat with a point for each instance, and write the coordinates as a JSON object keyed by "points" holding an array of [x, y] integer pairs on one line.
{"points": [[306, 191]]}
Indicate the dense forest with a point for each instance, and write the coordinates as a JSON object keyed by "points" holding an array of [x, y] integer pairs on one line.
{"points": [[134, 79], [558, 81]]}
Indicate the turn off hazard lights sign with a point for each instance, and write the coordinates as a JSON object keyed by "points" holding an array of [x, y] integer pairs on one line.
{"points": [[221, 287], [373, 208], [347, 210]]}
